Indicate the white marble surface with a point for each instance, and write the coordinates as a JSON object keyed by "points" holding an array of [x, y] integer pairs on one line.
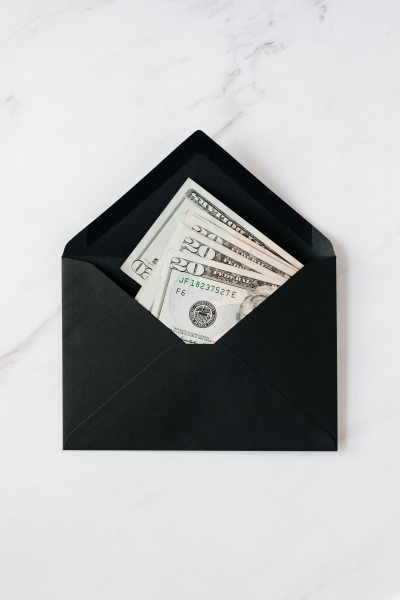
{"points": [[305, 94]]}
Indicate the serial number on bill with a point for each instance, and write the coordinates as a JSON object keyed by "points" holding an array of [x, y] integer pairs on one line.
{"points": [[204, 286]]}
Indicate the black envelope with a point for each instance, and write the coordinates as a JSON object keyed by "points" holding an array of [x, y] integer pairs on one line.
{"points": [[131, 384]]}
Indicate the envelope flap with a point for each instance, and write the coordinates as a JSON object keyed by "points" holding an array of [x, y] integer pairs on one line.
{"points": [[290, 340], [202, 159], [121, 227], [107, 337]]}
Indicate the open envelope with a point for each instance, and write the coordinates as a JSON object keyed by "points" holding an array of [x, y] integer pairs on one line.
{"points": [[131, 384]]}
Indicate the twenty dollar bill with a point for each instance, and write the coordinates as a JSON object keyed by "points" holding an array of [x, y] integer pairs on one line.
{"points": [[200, 300], [144, 257]]}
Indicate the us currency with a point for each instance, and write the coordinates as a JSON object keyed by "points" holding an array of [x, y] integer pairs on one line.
{"points": [[213, 230], [200, 300], [199, 246], [244, 240], [144, 257]]}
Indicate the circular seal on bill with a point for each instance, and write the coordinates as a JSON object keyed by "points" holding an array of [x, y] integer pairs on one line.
{"points": [[202, 314]]}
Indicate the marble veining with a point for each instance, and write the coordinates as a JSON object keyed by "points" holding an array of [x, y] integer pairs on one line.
{"points": [[305, 94]]}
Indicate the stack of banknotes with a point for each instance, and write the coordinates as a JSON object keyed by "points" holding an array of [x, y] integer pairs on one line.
{"points": [[202, 268]]}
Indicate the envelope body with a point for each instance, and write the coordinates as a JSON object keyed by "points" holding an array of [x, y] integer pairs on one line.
{"points": [[129, 383]]}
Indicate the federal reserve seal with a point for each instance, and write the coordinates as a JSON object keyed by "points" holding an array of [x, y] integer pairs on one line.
{"points": [[202, 314]]}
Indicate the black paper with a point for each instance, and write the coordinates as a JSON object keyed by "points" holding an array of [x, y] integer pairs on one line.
{"points": [[130, 383]]}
